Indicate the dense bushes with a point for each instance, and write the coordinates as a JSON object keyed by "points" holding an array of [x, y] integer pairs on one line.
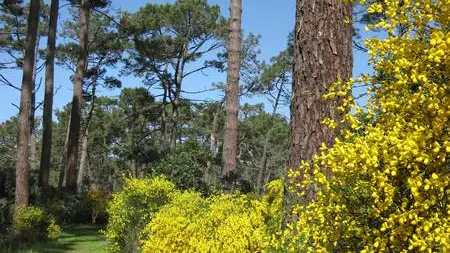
{"points": [[5, 212], [86, 207], [132, 208], [151, 215], [224, 223], [33, 224]]}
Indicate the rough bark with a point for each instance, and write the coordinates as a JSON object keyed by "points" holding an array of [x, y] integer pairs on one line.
{"points": [[75, 122], [22, 165], [322, 55], [47, 123], [228, 175]]}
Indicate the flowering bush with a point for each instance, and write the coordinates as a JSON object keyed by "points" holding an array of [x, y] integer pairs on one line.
{"points": [[132, 208], [384, 186], [151, 215], [98, 200], [33, 224], [224, 223]]}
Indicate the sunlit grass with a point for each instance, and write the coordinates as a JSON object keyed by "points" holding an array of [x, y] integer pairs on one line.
{"points": [[76, 238]]}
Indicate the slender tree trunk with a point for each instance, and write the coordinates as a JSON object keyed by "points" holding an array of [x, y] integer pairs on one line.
{"points": [[85, 138], [213, 145], [228, 175], [22, 164], [33, 141], [92, 183], [63, 166], [133, 168], [261, 180], [48, 97], [33, 148], [164, 117], [177, 97], [83, 160], [213, 135], [75, 122], [322, 55]]}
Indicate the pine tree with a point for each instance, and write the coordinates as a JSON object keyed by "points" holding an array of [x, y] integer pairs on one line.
{"points": [[48, 97], [232, 96], [22, 165], [75, 120]]}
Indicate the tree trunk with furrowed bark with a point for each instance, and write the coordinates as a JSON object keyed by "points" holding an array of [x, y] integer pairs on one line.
{"points": [[322, 56], [75, 121], [23, 149], [228, 175]]}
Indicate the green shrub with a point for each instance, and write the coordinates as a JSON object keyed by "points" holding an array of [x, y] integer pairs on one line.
{"points": [[86, 207], [77, 208], [132, 208], [53, 230], [33, 224]]}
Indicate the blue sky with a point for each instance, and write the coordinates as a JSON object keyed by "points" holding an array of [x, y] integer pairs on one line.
{"points": [[273, 20]]}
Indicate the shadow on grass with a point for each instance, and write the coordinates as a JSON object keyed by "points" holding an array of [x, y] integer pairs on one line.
{"points": [[75, 238]]}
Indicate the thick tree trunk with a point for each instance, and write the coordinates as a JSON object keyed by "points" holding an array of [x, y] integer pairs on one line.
{"points": [[22, 165], [75, 122], [322, 55], [228, 175], [48, 97]]}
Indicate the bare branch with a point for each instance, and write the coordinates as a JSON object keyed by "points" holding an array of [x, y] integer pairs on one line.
{"points": [[39, 85], [18, 108], [198, 92], [8, 83], [196, 70], [357, 46], [108, 17]]}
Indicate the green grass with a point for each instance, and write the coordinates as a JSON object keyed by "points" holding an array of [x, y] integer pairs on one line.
{"points": [[75, 238]]}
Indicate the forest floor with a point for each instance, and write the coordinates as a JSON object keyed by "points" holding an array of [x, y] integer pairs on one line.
{"points": [[74, 238]]}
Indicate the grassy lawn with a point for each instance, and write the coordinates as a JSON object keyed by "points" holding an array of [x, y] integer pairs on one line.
{"points": [[76, 238]]}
